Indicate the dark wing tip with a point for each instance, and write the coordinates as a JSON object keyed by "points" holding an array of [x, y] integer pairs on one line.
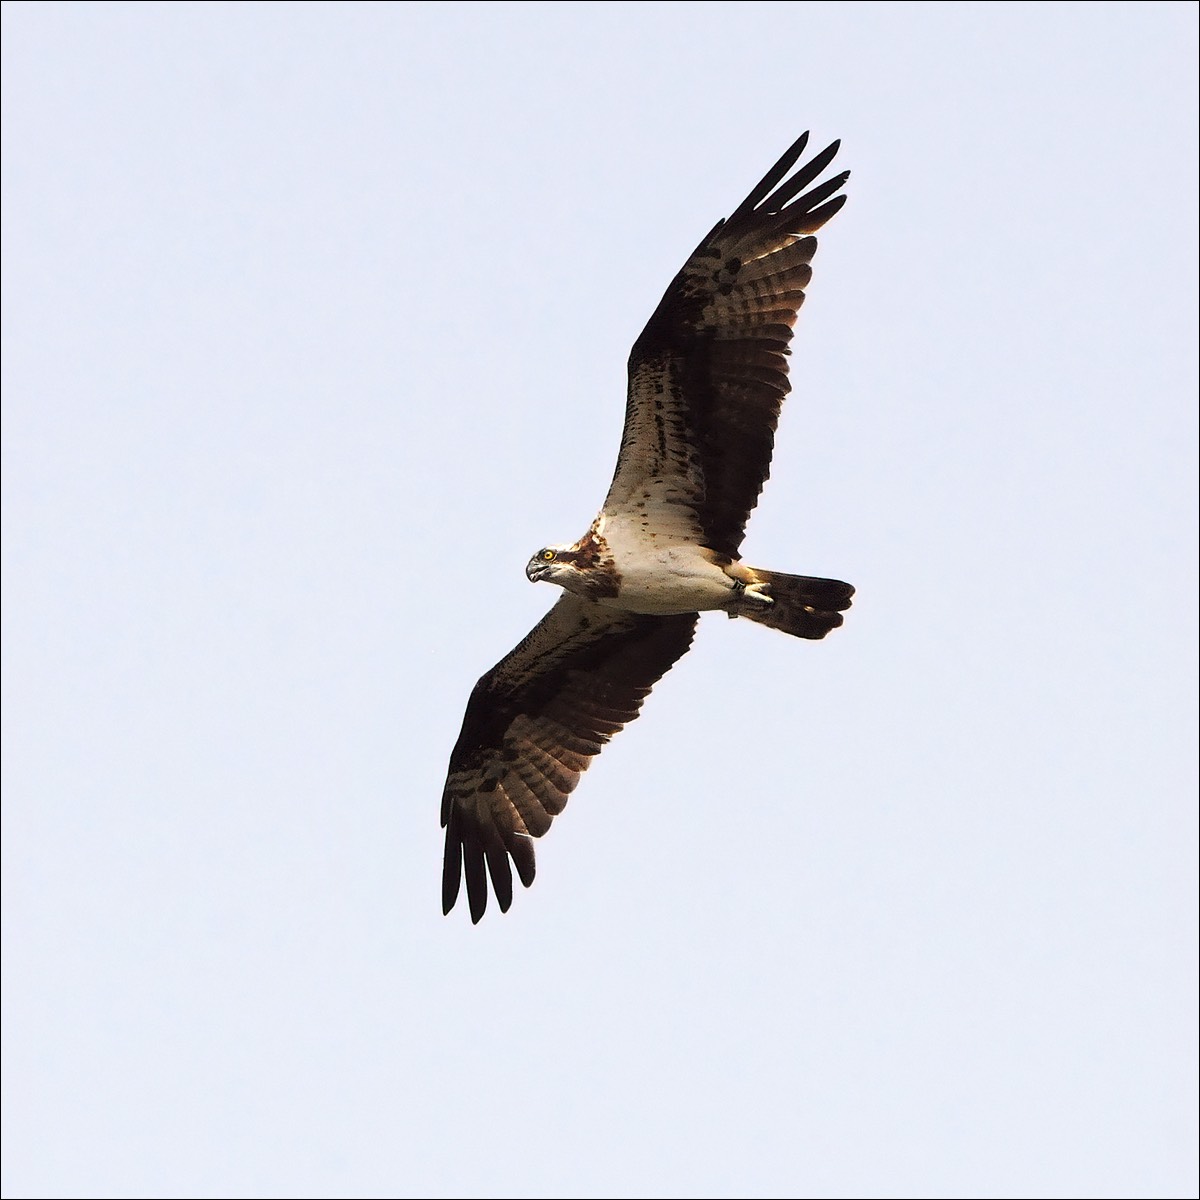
{"points": [[473, 848], [776, 188], [521, 849], [476, 873], [451, 863], [763, 188]]}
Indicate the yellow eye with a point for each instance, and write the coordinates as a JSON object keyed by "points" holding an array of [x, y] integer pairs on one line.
{"points": [[547, 556]]}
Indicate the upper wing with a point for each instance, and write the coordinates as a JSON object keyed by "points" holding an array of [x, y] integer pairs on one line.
{"points": [[708, 375], [533, 723]]}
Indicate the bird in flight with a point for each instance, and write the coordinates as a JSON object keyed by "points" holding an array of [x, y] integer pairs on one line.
{"points": [[707, 378]]}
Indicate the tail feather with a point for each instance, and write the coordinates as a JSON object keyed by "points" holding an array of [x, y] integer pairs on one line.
{"points": [[801, 605]]}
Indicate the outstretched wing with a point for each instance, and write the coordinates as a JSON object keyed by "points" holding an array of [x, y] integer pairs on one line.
{"points": [[708, 374], [532, 725]]}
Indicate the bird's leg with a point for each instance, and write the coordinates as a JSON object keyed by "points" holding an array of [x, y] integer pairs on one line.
{"points": [[752, 591]]}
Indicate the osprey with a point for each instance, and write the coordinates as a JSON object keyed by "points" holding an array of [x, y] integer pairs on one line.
{"points": [[707, 378]]}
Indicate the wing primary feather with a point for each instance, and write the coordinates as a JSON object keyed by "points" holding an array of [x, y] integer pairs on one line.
{"points": [[501, 873], [822, 191], [800, 217], [473, 868], [814, 220], [451, 863], [803, 177], [521, 849], [771, 178]]}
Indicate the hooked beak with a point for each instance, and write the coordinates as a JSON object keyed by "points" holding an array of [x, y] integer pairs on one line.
{"points": [[535, 571]]}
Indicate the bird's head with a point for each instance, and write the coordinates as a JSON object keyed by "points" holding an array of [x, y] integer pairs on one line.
{"points": [[585, 567], [552, 564]]}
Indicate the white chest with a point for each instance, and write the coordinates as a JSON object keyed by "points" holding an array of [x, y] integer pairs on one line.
{"points": [[661, 579]]}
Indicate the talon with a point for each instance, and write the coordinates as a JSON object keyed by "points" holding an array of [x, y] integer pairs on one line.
{"points": [[758, 591]]}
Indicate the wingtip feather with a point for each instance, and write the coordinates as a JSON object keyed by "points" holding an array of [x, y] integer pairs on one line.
{"points": [[767, 183]]}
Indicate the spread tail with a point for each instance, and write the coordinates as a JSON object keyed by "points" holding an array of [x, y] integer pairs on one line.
{"points": [[800, 605]]}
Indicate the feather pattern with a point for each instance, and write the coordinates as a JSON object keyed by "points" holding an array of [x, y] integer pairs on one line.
{"points": [[532, 726], [708, 374]]}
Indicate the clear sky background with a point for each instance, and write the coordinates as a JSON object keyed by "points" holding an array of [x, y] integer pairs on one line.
{"points": [[315, 327]]}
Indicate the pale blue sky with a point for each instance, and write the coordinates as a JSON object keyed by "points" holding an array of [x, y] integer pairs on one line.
{"points": [[315, 322]]}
